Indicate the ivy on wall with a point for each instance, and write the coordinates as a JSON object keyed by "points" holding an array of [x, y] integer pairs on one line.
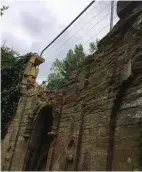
{"points": [[12, 68]]}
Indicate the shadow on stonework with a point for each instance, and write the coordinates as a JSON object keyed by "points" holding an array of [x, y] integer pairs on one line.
{"points": [[39, 144]]}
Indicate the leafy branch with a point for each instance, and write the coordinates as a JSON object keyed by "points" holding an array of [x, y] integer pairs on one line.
{"points": [[3, 9]]}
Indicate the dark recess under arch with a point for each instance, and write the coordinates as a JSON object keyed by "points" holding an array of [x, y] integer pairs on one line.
{"points": [[40, 142]]}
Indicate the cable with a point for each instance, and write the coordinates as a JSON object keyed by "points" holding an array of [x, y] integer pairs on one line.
{"points": [[83, 25], [66, 28], [60, 52], [84, 17], [89, 30]]}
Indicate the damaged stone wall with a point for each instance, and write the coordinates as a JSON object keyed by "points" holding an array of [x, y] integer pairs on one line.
{"points": [[33, 99], [102, 105], [97, 121]]}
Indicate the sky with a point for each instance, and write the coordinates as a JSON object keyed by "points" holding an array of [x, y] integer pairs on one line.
{"points": [[29, 25]]}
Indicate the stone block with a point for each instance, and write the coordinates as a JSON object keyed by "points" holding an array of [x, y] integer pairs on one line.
{"points": [[39, 60]]}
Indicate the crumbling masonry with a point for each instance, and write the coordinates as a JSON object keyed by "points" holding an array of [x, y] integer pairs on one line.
{"points": [[94, 122]]}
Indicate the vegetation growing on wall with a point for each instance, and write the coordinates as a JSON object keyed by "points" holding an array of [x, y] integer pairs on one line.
{"points": [[93, 46], [12, 67]]}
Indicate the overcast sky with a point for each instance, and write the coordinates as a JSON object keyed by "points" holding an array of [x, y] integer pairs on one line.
{"points": [[28, 26]]}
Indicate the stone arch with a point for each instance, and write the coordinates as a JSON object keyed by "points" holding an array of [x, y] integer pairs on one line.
{"points": [[55, 111], [40, 140]]}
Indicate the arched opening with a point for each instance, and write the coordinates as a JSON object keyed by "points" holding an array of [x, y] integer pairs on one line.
{"points": [[40, 142]]}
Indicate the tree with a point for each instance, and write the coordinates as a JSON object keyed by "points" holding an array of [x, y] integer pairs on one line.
{"points": [[63, 69], [8, 57], [93, 46], [12, 68], [55, 81], [3, 9]]}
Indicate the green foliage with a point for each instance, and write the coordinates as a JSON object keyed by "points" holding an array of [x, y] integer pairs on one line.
{"points": [[63, 68], [93, 46], [55, 81], [12, 67], [9, 57], [3, 9]]}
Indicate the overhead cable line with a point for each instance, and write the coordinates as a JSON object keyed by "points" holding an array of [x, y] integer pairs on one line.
{"points": [[66, 28]]}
